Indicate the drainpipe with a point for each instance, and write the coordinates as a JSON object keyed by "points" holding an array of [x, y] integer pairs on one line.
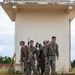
{"points": [[69, 44]]}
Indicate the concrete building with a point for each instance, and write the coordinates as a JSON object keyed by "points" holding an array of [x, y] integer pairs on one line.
{"points": [[40, 20]]}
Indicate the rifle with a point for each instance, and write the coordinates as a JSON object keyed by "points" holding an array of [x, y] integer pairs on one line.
{"points": [[28, 42]]}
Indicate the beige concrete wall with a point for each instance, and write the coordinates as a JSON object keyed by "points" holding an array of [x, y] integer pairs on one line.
{"points": [[41, 25]]}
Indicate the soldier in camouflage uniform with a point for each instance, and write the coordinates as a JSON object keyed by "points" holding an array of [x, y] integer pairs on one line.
{"points": [[44, 62], [32, 48], [52, 52], [38, 57], [32, 62], [25, 57], [28, 58], [42, 57]]}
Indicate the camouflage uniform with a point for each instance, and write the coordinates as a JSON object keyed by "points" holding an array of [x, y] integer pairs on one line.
{"points": [[42, 56], [52, 52], [25, 58], [33, 49], [38, 60], [32, 62]]}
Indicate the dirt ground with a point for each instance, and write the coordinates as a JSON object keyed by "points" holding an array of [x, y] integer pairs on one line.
{"points": [[3, 71]]}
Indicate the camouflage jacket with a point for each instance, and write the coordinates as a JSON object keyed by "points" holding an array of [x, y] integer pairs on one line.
{"points": [[33, 49], [52, 50], [25, 53], [43, 51]]}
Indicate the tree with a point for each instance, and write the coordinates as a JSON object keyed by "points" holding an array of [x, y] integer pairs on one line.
{"points": [[5, 60], [1, 59], [73, 64]]}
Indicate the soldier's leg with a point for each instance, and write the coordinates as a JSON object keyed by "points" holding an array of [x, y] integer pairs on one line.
{"points": [[9, 0], [42, 66], [27, 70], [53, 66], [38, 67], [30, 68], [26, 66], [34, 68], [22, 69], [42, 69], [47, 67], [3, 0]]}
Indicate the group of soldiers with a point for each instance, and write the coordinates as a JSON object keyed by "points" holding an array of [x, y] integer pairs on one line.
{"points": [[44, 55]]}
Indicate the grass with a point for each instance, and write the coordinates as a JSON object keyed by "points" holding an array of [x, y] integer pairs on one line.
{"points": [[73, 70], [3, 71]]}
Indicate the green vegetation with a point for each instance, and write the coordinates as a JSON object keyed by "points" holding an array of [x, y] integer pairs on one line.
{"points": [[72, 70], [5, 60], [3, 70], [73, 64]]}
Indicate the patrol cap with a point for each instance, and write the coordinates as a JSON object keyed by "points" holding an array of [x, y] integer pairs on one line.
{"points": [[53, 37], [22, 42], [31, 41]]}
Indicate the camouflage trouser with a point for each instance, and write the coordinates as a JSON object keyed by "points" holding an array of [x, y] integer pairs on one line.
{"points": [[38, 66], [41, 66], [47, 67], [32, 63], [26, 67], [52, 62]]}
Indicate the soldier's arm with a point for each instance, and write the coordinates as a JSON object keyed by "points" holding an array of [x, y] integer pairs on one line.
{"points": [[47, 50], [35, 50], [21, 60], [21, 55], [30, 55], [57, 52], [40, 51], [29, 51]]}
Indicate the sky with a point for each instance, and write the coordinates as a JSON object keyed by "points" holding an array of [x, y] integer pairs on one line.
{"points": [[7, 36], [73, 39]]}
